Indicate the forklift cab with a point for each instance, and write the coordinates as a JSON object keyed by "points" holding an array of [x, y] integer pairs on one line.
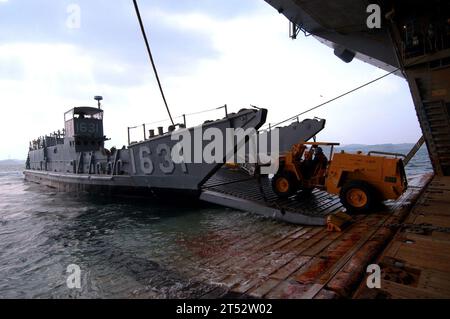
{"points": [[316, 162], [84, 128], [300, 169], [320, 144]]}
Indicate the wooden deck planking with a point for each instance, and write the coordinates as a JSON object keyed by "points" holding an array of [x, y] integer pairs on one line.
{"points": [[416, 264], [280, 260]]}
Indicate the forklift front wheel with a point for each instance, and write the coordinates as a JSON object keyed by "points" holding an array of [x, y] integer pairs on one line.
{"points": [[358, 196], [283, 184]]}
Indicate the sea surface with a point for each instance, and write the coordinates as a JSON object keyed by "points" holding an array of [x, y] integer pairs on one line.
{"points": [[124, 249]]}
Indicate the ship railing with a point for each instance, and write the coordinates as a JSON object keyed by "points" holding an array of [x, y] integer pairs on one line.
{"points": [[144, 133], [271, 126], [418, 39], [49, 140]]}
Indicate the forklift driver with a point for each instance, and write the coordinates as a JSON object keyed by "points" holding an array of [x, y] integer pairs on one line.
{"points": [[308, 163], [314, 165], [320, 160]]}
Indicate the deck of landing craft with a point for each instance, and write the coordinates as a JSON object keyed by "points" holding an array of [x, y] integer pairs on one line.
{"points": [[236, 189]]}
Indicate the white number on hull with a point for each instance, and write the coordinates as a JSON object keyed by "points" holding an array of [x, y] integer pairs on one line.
{"points": [[167, 167], [89, 128], [145, 160]]}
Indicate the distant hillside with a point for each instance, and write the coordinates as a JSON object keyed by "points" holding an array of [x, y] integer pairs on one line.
{"points": [[12, 162]]}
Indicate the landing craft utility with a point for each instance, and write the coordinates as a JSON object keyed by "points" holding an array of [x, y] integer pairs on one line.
{"points": [[76, 158]]}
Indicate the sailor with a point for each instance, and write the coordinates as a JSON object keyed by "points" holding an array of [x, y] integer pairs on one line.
{"points": [[320, 160], [308, 165]]}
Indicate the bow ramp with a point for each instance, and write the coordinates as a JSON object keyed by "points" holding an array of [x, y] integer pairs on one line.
{"points": [[238, 189], [235, 189]]}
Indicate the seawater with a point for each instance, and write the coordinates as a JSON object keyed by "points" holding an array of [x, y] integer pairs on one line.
{"points": [[125, 249]]}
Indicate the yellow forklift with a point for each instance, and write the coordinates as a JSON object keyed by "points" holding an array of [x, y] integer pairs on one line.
{"points": [[362, 181]]}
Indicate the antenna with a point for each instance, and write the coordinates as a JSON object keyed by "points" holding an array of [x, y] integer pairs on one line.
{"points": [[98, 98]]}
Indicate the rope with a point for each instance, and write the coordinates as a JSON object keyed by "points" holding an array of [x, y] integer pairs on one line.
{"points": [[136, 7], [336, 98]]}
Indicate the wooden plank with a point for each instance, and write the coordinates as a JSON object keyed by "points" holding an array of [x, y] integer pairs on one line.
{"points": [[426, 254], [441, 196], [434, 208], [295, 264], [244, 286], [439, 221], [314, 269], [288, 289], [436, 281], [262, 289], [296, 242], [318, 247], [309, 242], [395, 290]]}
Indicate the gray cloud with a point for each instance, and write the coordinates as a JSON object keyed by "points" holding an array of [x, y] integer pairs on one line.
{"points": [[109, 30]]}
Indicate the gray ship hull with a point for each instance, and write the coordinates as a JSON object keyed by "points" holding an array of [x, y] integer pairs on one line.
{"points": [[147, 167]]}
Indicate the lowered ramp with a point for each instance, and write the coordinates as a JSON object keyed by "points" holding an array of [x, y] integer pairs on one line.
{"points": [[235, 189]]}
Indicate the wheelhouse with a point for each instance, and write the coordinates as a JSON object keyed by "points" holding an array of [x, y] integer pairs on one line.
{"points": [[84, 126]]}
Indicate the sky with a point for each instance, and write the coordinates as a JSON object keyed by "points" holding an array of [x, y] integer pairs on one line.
{"points": [[208, 53]]}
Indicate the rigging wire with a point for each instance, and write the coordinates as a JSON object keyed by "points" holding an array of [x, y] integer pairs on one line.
{"points": [[335, 98], [204, 111], [279, 123], [136, 7], [178, 117]]}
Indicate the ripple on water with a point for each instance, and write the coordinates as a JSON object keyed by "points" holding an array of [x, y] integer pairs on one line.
{"points": [[125, 249]]}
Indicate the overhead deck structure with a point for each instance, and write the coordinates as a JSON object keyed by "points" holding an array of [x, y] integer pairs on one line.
{"points": [[414, 37]]}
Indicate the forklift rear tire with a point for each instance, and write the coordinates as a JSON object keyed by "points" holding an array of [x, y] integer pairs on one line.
{"points": [[358, 197], [284, 184]]}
